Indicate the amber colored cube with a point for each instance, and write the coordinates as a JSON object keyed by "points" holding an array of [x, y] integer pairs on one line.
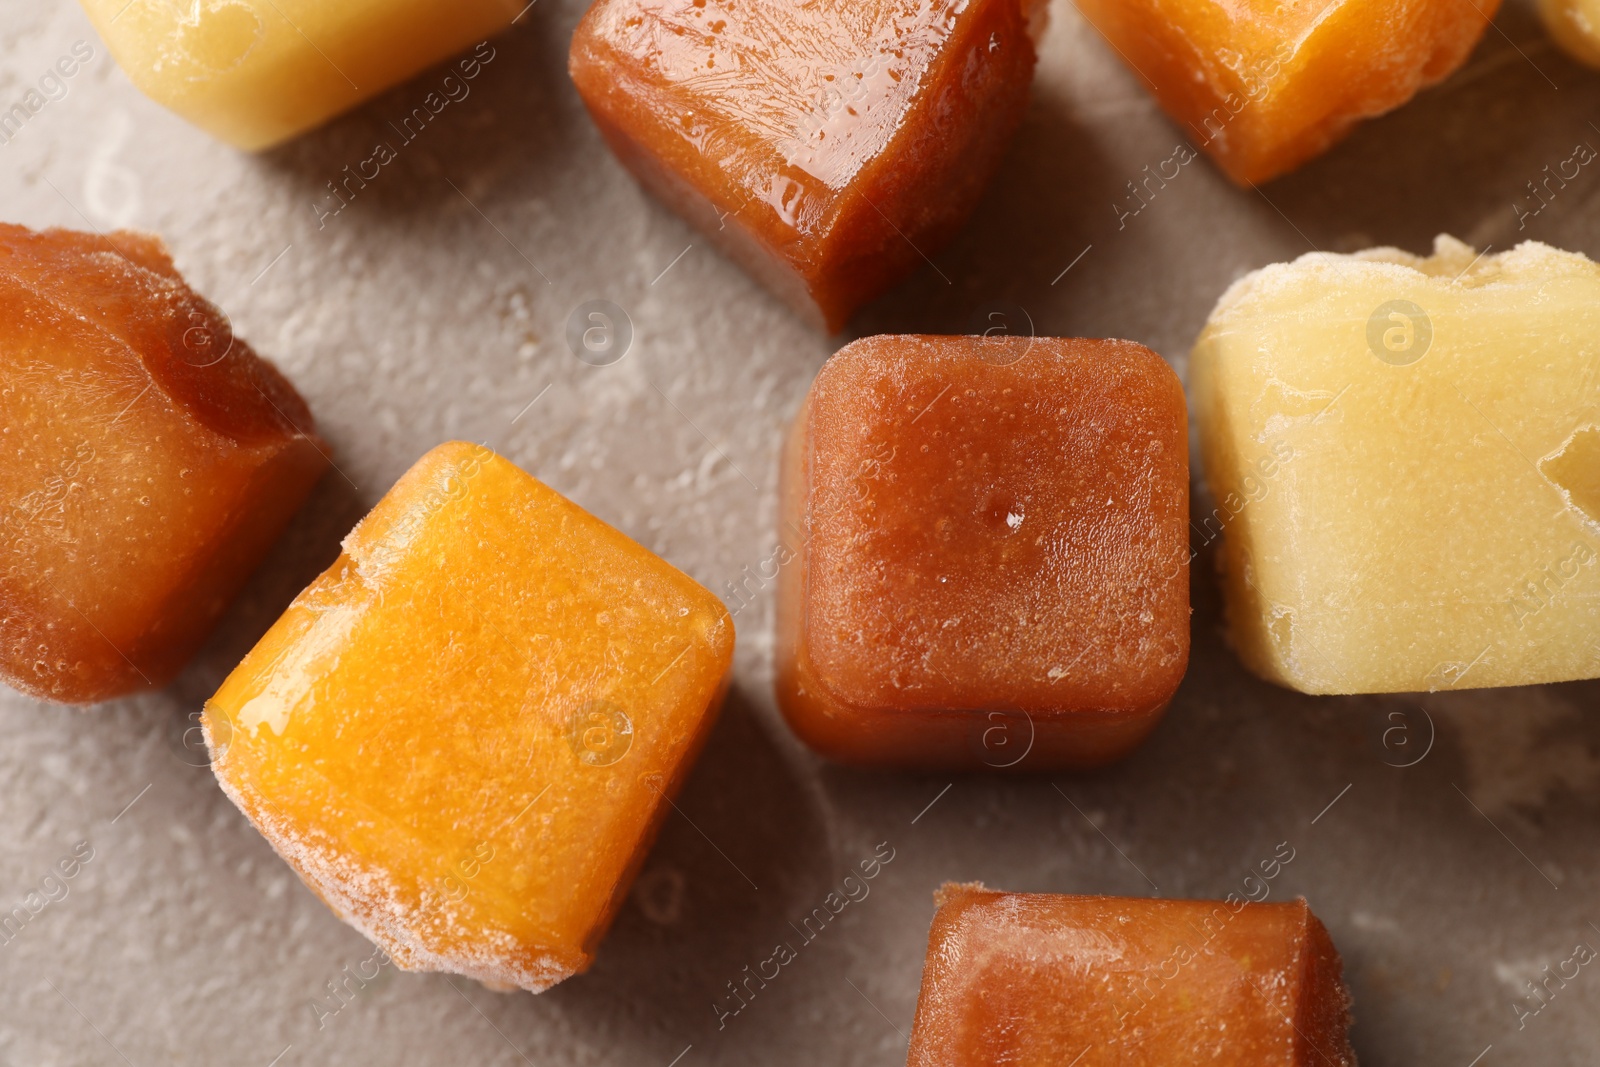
{"points": [[148, 460], [829, 146], [1264, 85], [464, 734], [1046, 980], [992, 564]]}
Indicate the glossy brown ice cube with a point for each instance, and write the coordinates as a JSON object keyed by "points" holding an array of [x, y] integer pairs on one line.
{"points": [[1044, 980], [148, 459], [992, 563], [828, 146]]}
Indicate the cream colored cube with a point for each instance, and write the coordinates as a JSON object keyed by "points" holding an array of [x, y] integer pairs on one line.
{"points": [[1404, 456], [257, 72], [1575, 24]]}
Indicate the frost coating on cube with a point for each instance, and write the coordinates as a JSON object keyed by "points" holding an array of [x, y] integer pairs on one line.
{"points": [[464, 734], [1091, 981]]}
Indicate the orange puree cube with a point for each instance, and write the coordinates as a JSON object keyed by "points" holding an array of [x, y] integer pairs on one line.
{"points": [[991, 552], [1043, 980], [1264, 85], [827, 145], [464, 734], [148, 460]]}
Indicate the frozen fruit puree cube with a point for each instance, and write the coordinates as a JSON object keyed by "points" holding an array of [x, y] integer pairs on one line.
{"points": [[464, 734], [1575, 25], [257, 72], [1402, 453], [1047, 980], [827, 145], [993, 561], [1265, 85], [148, 460]]}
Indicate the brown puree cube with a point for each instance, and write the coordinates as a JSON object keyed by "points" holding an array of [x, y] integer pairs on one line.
{"points": [[826, 145], [992, 564], [1036, 979], [148, 460]]}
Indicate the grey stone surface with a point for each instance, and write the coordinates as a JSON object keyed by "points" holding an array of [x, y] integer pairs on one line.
{"points": [[408, 320]]}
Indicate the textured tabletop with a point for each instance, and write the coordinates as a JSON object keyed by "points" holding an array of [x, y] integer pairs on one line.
{"points": [[1448, 841]]}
